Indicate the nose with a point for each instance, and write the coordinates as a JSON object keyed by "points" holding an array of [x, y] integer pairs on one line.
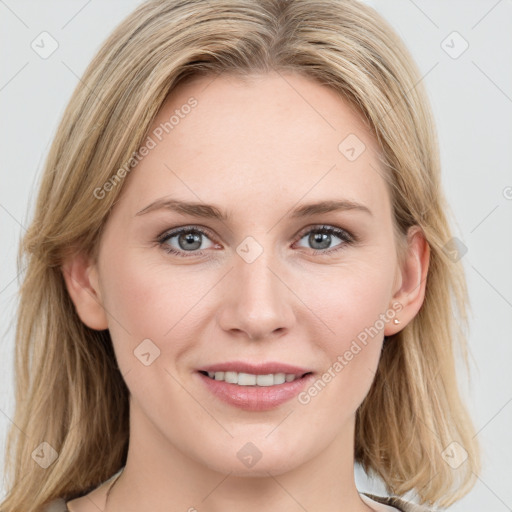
{"points": [[256, 300]]}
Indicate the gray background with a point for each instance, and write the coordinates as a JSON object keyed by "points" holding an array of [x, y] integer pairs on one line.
{"points": [[471, 95]]}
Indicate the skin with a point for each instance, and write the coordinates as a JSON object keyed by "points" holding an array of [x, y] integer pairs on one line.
{"points": [[255, 149]]}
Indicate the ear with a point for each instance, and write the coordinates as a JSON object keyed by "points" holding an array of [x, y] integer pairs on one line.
{"points": [[81, 277], [411, 281]]}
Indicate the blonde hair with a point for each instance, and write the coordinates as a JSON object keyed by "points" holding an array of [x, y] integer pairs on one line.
{"points": [[69, 390]]}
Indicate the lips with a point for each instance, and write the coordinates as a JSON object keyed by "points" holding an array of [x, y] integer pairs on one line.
{"points": [[260, 397]]}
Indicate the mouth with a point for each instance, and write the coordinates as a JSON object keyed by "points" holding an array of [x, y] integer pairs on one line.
{"points": [[243, 373], [252, 379], [255, 387]]}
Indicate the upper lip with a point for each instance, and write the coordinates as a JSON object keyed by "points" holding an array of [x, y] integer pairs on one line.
{"points": [[255, 369]]}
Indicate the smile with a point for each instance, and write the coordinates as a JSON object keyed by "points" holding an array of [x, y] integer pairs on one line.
{"points": [[257, 388]]}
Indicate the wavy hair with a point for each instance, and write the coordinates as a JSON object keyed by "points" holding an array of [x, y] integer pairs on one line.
{"points": [[69, 391]]}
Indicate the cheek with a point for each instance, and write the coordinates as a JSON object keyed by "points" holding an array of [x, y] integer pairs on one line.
{"points": [[147, 300], [152, 317], [353, 306], [351, 298]]}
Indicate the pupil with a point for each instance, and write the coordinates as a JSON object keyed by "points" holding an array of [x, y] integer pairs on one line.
{"points": [[324, 239]]}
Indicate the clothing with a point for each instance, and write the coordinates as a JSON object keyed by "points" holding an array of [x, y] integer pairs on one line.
{"points": [[391, 504], [58, 505], [378, 503]]}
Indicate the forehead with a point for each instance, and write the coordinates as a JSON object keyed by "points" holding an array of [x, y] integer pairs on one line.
{"points": [[270, 136]]}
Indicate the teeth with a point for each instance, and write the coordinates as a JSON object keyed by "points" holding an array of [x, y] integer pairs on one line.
{"points": [[248, 379], [231, 377]]}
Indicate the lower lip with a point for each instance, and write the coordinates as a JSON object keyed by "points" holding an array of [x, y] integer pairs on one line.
{"points": [[256, 398]]}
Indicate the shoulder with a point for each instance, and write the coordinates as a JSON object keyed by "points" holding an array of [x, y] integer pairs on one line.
{"points": [[57, 505], [398, 503], [97, 495]]}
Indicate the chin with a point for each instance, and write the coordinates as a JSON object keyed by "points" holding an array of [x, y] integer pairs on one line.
{"points": [[253, 459], [274, 466]]}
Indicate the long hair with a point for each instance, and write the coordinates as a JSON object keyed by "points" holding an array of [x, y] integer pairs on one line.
{"points": [[69, 390]]}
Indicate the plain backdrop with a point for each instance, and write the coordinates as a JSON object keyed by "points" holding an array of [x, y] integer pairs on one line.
{"points": [[464, 51]]}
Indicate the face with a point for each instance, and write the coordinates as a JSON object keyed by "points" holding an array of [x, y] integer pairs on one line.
{"points": [[259, 277]]}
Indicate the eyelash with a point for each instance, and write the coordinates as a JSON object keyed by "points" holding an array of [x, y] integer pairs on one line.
{"points": [[344, 235]]}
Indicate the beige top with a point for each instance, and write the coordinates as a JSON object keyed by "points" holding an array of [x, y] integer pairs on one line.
{"points": [[378, 503]]}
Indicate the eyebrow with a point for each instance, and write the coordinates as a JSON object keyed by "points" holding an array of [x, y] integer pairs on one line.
{"points": [[208, 211]]}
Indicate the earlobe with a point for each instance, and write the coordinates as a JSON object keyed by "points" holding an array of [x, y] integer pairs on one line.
{"points": [[82, 283], [412, 281]]}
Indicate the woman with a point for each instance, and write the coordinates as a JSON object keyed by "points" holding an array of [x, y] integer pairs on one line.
{"points": [[236, 282]]}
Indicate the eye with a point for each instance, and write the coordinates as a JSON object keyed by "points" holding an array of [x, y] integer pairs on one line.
{"points": [[190, 241], [183, 240], [320, 238]]}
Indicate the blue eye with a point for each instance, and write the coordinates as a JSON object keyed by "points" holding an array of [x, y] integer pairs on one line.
{"points": [[320, 238], [188, 241]]}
